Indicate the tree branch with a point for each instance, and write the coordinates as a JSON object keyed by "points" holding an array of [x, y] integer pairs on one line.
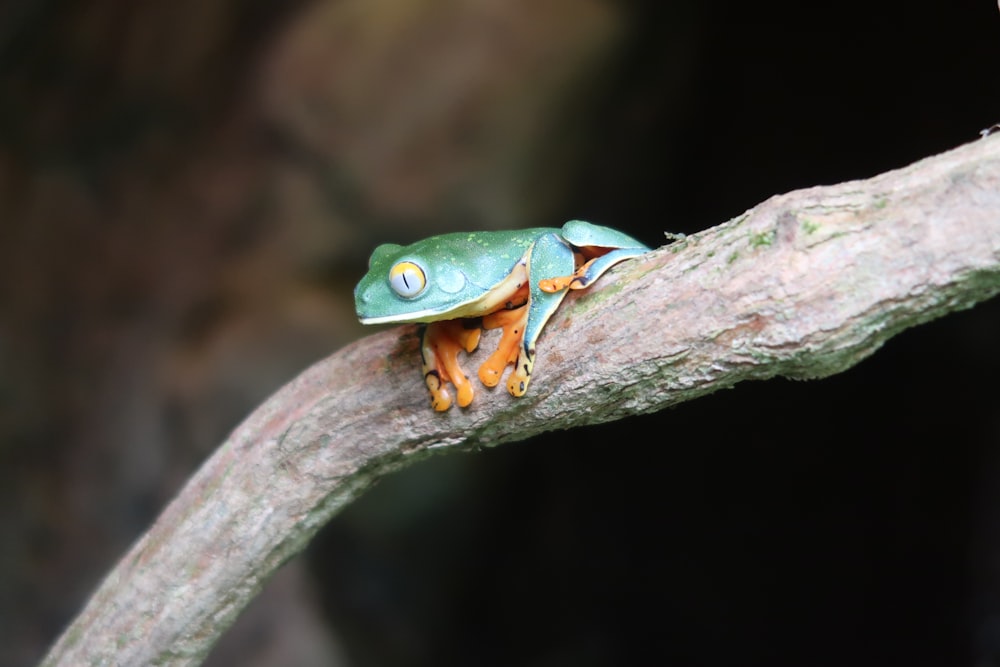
{"points": [[804, 285]]}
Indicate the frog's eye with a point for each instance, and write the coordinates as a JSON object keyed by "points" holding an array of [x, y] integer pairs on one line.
{"points": [[407, 279]]}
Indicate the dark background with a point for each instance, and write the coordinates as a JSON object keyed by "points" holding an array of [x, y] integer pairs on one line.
{"points": [[189, 191]]}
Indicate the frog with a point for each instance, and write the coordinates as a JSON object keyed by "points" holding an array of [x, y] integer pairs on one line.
{"points": [[461, 283]]}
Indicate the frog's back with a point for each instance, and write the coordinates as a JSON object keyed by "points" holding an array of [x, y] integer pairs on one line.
{"points": [[485, 257]]}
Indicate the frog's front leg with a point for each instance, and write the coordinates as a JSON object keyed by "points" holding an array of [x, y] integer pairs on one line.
{"points": [[441, 343], [508, 350]]}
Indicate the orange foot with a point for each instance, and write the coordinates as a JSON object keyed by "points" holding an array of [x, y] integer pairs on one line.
{"points": [[440, 347], [578, 280], [513, 323]]}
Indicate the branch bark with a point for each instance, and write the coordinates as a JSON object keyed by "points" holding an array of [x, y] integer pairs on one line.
{"points": [[804, 285]]}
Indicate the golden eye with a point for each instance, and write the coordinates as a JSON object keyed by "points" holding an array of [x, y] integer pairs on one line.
{"points": [[407, 279]]}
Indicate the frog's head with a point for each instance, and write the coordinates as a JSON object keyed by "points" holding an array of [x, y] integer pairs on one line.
{"points": [[415, 283]]}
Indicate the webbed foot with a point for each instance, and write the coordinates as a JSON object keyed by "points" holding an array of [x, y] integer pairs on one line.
{"points": [[509, 351], [439, 349], [513, 323]]}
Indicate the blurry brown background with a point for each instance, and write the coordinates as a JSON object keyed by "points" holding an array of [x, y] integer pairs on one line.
{"points": [[190, 190]]}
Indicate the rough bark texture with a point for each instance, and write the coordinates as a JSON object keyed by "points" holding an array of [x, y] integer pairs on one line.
{"points": [[804, 285]]}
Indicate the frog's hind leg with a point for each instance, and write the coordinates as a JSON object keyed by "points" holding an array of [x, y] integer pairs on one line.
{"points": [[550, 256], [439, 348], [594, 262]]}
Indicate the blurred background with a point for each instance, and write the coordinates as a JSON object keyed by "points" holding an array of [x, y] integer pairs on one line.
{"points": [[190, 190]]}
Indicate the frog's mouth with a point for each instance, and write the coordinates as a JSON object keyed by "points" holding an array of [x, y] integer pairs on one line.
{"points": [[417, 316], [474, 307], [365, 308]]}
